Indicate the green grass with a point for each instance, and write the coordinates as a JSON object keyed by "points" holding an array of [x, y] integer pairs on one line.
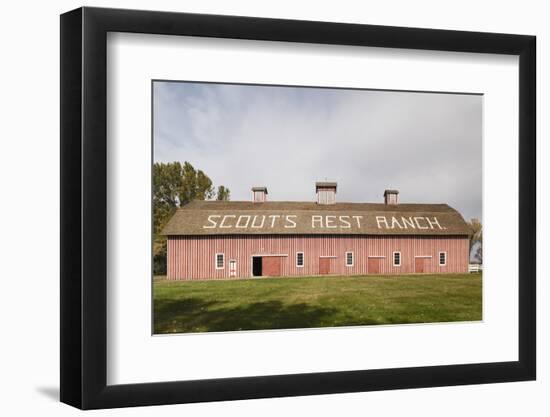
{"points": [[286, 303]]}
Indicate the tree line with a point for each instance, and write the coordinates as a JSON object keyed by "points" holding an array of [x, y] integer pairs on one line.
{"points": [[174, 185]]}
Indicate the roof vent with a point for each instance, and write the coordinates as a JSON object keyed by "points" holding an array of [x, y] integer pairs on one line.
{"points": [[326, 192], [390, 196], [259, 194]]}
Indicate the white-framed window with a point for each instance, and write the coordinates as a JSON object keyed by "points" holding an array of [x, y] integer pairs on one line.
{"points": [[219, 261], [397, 259], [299, 259], [349, 258], [442, 258]]}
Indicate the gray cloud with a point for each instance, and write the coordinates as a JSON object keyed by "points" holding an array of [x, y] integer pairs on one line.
{"points": [[427, 145]]}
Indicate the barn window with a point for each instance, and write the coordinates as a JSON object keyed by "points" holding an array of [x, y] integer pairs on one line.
{"points": [[349, 258], [220, 261], [397, 259], [299, 259], [442, 258]]}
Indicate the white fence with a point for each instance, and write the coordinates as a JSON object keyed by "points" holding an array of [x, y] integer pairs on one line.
{"points": [[475, 268]]}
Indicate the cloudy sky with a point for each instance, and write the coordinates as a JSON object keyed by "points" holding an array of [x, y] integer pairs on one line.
{"points": [[428, 146]]}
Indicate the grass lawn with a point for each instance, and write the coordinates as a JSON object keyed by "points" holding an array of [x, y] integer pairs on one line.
{"points": [[286, 303]]}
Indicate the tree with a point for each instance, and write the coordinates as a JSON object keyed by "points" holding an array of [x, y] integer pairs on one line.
{"points": [[175, 185], [479, 253], [195, 185], [223, 193], [167, 183], [476, 238]]}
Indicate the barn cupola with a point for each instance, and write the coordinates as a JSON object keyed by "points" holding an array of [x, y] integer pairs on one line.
{"points": [[390, 197], [326, 192], [259, 194]]}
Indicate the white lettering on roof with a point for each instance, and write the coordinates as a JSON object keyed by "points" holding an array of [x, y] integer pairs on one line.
{"points": [[213, 224], [226, 226], [273, 218], [380, 220], [238, 225], [254, 226], [418, 223], [345, 223], [290, 224], [318, 221]]}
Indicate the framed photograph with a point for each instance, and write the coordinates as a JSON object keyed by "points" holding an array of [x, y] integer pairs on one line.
{"points": [[257, 208]]}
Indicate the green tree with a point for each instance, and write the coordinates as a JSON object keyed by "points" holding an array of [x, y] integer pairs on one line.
{"points": [[223, 193], [175, 185], [195, 185]]}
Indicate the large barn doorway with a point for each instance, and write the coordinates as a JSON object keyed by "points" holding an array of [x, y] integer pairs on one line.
{"points": [[373, 265], [266, 266], [256, 266]]}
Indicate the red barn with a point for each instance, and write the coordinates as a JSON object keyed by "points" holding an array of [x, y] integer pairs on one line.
{"points": [[240, 239]]}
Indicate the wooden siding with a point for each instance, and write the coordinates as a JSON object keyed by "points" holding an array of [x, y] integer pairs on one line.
{"points": [[271, 266], [326, 195], [191, 258], [324, 266], [374, 265], [390, 198], [259, 196]]}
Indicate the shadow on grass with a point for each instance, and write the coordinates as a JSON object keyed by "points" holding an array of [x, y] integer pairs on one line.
{"points": [[197, 315]]}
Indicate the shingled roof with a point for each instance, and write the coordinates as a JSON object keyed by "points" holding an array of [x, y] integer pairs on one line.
{"points": [[200, 218]]}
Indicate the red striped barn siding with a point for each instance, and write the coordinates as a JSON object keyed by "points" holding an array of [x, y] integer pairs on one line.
{"points": [[193, 257]]}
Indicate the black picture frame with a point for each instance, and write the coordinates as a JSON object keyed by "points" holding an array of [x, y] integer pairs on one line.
{"points": [[84, 207]]}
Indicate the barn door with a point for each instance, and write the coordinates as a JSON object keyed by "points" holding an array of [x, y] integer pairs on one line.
{"points": [[232, 268], [373, 265], [419, 265], [271, 266], [324, 266]]}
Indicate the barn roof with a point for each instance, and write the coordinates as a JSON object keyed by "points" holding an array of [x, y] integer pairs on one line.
{"points": [[264, 189], [289, 217], [331, 184], [390, 192]]}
